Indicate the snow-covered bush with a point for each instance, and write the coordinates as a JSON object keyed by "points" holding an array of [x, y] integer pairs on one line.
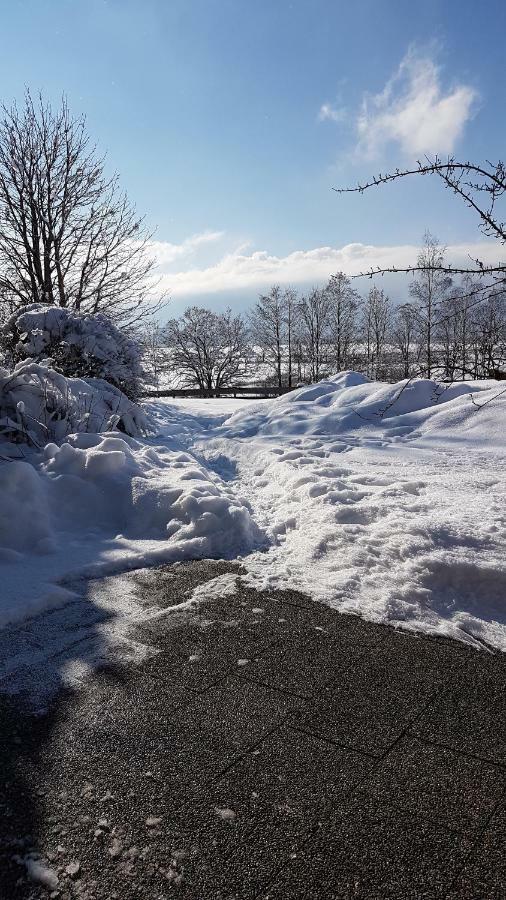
{"points": [[39, 405], [79, 346]]}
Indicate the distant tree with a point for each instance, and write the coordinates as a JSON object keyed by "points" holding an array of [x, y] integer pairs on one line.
{"points": [[272, 322], [404, 337], [291, 325], [468, 290], [344, 303], [299, 355], [210, 350], [448, 334], [267, 325], [155, 354], [429, 291], [489, 336], [375, 321], [68, 236], [314, 309]]}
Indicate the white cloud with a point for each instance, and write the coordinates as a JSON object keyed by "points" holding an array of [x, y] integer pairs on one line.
{"points": [[166, 253], [240, 270], [331, 113], [414, 111]]}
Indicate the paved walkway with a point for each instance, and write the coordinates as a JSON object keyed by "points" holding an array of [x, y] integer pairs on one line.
{"points": [[272, 749]]}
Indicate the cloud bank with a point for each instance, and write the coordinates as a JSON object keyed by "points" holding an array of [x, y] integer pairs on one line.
{"points": [[240, 270]]}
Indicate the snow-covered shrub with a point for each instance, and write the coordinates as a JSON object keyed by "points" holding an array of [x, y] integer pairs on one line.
{"points": [[39, 405], [80, 346]]}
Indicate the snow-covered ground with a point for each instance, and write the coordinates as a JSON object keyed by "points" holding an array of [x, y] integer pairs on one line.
{"points": [[387, 501]]}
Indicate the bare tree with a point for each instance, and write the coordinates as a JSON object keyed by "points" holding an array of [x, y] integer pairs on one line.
{"points": [[429, 291], [404, 337], [291, 321], [68, 235], [210, 350], [154, 352], [376, 319], [448, 336], [344, 303], [268, 329], [315, 324]]}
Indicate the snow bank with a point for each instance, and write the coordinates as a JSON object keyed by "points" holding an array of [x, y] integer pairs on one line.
{"points": [[147, 493], [100, 503], [350, 403]]}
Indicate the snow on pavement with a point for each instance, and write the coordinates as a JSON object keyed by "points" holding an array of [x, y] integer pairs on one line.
{"points": [[387, 501]]}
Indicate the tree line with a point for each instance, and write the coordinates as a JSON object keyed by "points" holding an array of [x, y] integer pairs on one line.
{"points": [[449, 329]]}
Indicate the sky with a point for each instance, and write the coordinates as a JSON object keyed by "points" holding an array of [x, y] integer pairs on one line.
{"points": [[230, 121]]}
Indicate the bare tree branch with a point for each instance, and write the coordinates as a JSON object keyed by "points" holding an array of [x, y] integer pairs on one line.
{"points": [[469, 181]]}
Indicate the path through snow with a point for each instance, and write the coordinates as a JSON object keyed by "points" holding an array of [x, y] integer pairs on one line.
{"points": [[387, 501]]}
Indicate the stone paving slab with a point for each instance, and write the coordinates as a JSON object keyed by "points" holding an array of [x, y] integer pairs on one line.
{"points": [[299, 754], [437, 784], [369, 706], [481, 686], [484, 874], [372, 852]]}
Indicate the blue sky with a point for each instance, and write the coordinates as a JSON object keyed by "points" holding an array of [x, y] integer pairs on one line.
{"points": [[229, 122]]}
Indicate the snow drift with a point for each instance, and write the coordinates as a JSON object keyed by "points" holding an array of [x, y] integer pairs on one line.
{"points": [[104, 503], [350, 403]]}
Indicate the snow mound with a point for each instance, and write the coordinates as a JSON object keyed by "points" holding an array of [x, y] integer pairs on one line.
{"points": [[349, 403], [328, 386], [119, 484]]}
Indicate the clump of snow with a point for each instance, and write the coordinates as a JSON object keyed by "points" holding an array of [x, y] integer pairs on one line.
{"points": [[39, 405], [41, 873], [82, 346], [24, 515], [225, 814]]}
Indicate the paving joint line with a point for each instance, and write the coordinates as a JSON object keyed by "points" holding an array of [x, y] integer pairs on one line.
{"points": [[479, 838], [458, 752], [326, 740], [271, 687], [249, 749]]}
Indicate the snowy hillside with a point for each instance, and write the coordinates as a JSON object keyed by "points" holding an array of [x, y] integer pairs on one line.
{"points": [[383, 500]]}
